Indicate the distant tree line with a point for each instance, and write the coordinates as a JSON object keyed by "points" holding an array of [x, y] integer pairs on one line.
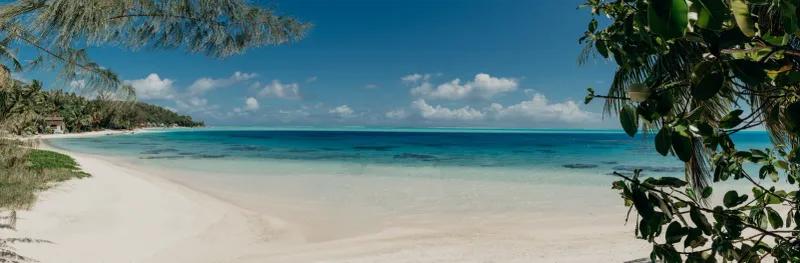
{"points": [[24, 107]]}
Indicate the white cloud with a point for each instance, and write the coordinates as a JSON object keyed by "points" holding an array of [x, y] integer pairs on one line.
{"points": [[170, 109], [203, 85], [152, 87], [311, 79], [483, 86], [536, 110], [198, 102], [529, 91], [251, 104], [539, 109], [195, 104], [256, 85], [342, 111], [279, 90], [397, 114], [370, 86], [441, 113], [412, 78]]}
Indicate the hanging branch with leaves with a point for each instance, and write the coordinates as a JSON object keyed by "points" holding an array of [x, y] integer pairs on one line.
{"points": [[696, 72]]}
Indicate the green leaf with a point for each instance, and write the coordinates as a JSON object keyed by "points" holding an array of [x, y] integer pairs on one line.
{"points": [[707, 192], [743, 155], [781, 164], [642, 204], [682, 146], [796, 217], [690, 193], [768, 170], [702, 128], [627, 117], [731, 37], [763, 171], [712, 14], [759, 152], [664, 102], [749, 72], [792, 113], [788, 17], [668, 182], [731, 120], [664, 141], [741, 13], [675, 232], [668, 253], [700, 220], [668, 18], [774, 218], [593, 25], [772, 199], [695, 238], [588, 99], [601, 48], [732, 199], [708, 80], [757, 192], [619, 57]]}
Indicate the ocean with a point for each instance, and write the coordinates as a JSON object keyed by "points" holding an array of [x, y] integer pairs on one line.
{"points": [[346, 182], [586, 153]]}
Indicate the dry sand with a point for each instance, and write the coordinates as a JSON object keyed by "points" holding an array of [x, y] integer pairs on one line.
{"points": [[125, 215]]}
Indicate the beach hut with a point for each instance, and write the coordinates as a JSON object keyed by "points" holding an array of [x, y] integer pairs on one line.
{"points": [[55, 123]]}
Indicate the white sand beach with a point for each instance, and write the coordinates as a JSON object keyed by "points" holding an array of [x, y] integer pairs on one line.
{"points": [[123, 214]]}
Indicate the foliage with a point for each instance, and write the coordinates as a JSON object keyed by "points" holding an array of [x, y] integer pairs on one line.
{"points": [[26, 172], [697, 72], [24, 107], [41, 159], [61, 31]]}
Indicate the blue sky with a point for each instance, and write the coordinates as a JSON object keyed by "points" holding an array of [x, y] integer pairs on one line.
{"points": [[390, 63]]}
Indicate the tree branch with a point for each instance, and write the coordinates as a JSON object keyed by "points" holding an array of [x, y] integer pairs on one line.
{"points": [[49, 52], [763, 231], [610, 97], [194, 19]]}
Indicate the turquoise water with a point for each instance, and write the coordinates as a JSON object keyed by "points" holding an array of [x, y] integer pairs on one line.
{"points": [[502, 154]]}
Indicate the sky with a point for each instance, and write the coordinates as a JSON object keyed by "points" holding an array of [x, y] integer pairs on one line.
{"points": [[438, 63]]}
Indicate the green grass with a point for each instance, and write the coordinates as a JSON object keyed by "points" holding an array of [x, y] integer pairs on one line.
{"points": [[41, 159], [24, 173]]}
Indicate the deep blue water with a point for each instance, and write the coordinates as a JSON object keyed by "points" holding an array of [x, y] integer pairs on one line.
{"points": [[575, 150]]}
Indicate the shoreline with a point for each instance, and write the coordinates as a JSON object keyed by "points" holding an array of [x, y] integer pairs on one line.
{"points": [[124, 213]]}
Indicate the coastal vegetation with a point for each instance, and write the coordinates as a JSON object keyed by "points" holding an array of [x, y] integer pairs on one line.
{"points": [[24, 173], [25, 107], [694, 73], [56, 36]]}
